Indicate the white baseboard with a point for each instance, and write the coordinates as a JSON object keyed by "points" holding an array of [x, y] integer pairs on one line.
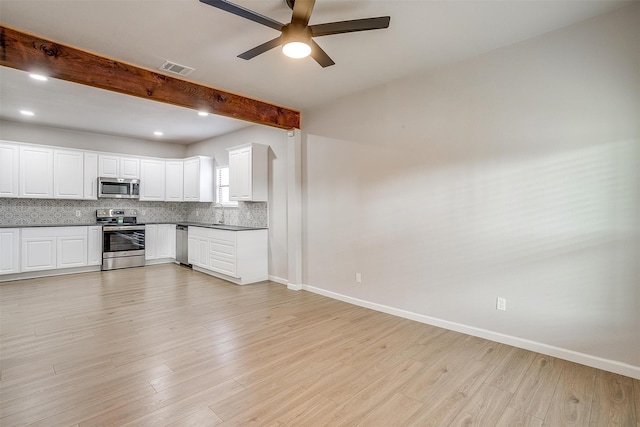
{"points": [[279, 280], [561, 353]]}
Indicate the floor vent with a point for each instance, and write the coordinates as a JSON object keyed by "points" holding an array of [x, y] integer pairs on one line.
{"points": [[172, 67]]}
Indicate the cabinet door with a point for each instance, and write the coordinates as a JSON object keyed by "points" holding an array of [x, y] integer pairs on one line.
{"points": [[71, 251], [9, 155], [244, 174], [38, 253], [151, 242], [68, 174], [234, 175], [166, 241], [193, 250], [203, 252], [90, 176], [108, 166], [129, 167], [191, 180], [152, 179], [174, 181], [9, 250], [94, 245], [36, 172]]}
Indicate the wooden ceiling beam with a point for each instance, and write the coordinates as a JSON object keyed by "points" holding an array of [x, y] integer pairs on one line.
{"points": [[28, 52]]}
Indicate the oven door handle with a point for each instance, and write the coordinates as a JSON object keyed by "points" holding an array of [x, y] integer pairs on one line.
{"points": [[121, 227]]}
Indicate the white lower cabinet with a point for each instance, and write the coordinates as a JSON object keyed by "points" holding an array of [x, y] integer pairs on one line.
{"points": [[94, 245], [238, 256], [160, 242], [166, 241], [9, 250], [49, 248]]}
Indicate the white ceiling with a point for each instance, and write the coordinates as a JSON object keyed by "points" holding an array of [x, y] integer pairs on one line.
{"points": [[423, 34]]}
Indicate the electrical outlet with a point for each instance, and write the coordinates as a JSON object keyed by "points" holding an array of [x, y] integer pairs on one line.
{"points": [[197, 213], [248, 215], [501, 304], [358, 278], [78, 213]]}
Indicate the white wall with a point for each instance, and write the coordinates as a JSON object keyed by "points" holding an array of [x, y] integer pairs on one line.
{"points": [[34, 134], [514, 174], [277, 140]]}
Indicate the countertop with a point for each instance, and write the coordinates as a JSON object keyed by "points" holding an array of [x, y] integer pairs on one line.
{"points": [[48, 225], [221, 226], [190, 224]]}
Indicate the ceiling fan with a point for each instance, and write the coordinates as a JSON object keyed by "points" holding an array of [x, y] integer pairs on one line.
{"points": [[296, 37]]}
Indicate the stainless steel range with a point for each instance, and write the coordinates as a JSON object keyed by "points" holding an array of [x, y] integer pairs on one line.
{"points": [[122, 238]]}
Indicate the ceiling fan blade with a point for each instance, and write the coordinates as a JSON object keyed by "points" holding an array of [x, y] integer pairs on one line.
{"points": [[302, 11], [340, 27], [320, 55], [252, 53], [244, 13]]}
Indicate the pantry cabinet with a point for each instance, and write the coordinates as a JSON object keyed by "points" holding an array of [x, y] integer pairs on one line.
{"points": [[9, 155], [248, 173]]}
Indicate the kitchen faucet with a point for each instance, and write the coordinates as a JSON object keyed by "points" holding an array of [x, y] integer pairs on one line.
{"points": [[222, 207]]}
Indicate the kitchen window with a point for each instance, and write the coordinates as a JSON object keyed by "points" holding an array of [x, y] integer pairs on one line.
{"points": [[222, 186]]}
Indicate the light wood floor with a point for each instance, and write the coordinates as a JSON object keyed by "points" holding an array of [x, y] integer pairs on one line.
{"points": [[164, 345]]}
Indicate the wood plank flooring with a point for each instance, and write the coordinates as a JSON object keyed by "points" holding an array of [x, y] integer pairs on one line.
{"points": [[166, 346]]}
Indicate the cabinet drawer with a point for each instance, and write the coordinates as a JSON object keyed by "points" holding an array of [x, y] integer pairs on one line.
{"points": [[224, 266], [222, 247]]}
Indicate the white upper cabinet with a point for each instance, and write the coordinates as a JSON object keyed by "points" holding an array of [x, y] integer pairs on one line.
{"points": [[248, 173], [36, 172], [174, 181], [152, 179], [129, 167], [68, 174], [108, 166], [9, 155], [90, 175], [112, 166], [198, 179]]}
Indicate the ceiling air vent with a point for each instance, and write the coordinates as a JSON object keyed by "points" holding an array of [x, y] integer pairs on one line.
{"points": [[172, 67]]}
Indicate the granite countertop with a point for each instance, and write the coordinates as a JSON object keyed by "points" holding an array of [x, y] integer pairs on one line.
{"points": [[47, 225], [191, 224], [221, 226]]}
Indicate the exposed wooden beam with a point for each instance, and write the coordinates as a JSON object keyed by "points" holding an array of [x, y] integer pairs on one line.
{"points": [[28, 52]]}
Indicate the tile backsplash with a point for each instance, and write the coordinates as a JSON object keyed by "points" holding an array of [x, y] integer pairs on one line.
{"points": [[25, 212]]}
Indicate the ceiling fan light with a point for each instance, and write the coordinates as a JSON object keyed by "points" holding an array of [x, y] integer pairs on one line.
{"points": [[296, 49]]}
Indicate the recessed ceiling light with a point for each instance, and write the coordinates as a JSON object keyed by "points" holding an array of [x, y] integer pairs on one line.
{"points": [[158, 133], [203, 113], [27, 113], [39, 77]]}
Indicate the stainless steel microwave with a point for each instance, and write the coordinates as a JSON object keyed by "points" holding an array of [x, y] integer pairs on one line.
{"points": [[118, 188]]}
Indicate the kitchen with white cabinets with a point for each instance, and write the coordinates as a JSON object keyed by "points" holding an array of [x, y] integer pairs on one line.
{"points": [[50, 195]]}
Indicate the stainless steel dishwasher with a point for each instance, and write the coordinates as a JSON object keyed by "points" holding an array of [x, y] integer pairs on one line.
{"points": [[182, 244]]}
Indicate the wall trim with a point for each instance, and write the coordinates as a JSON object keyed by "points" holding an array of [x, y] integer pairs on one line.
{"points": [[294, 287], [549, 350], [279, 280]]}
